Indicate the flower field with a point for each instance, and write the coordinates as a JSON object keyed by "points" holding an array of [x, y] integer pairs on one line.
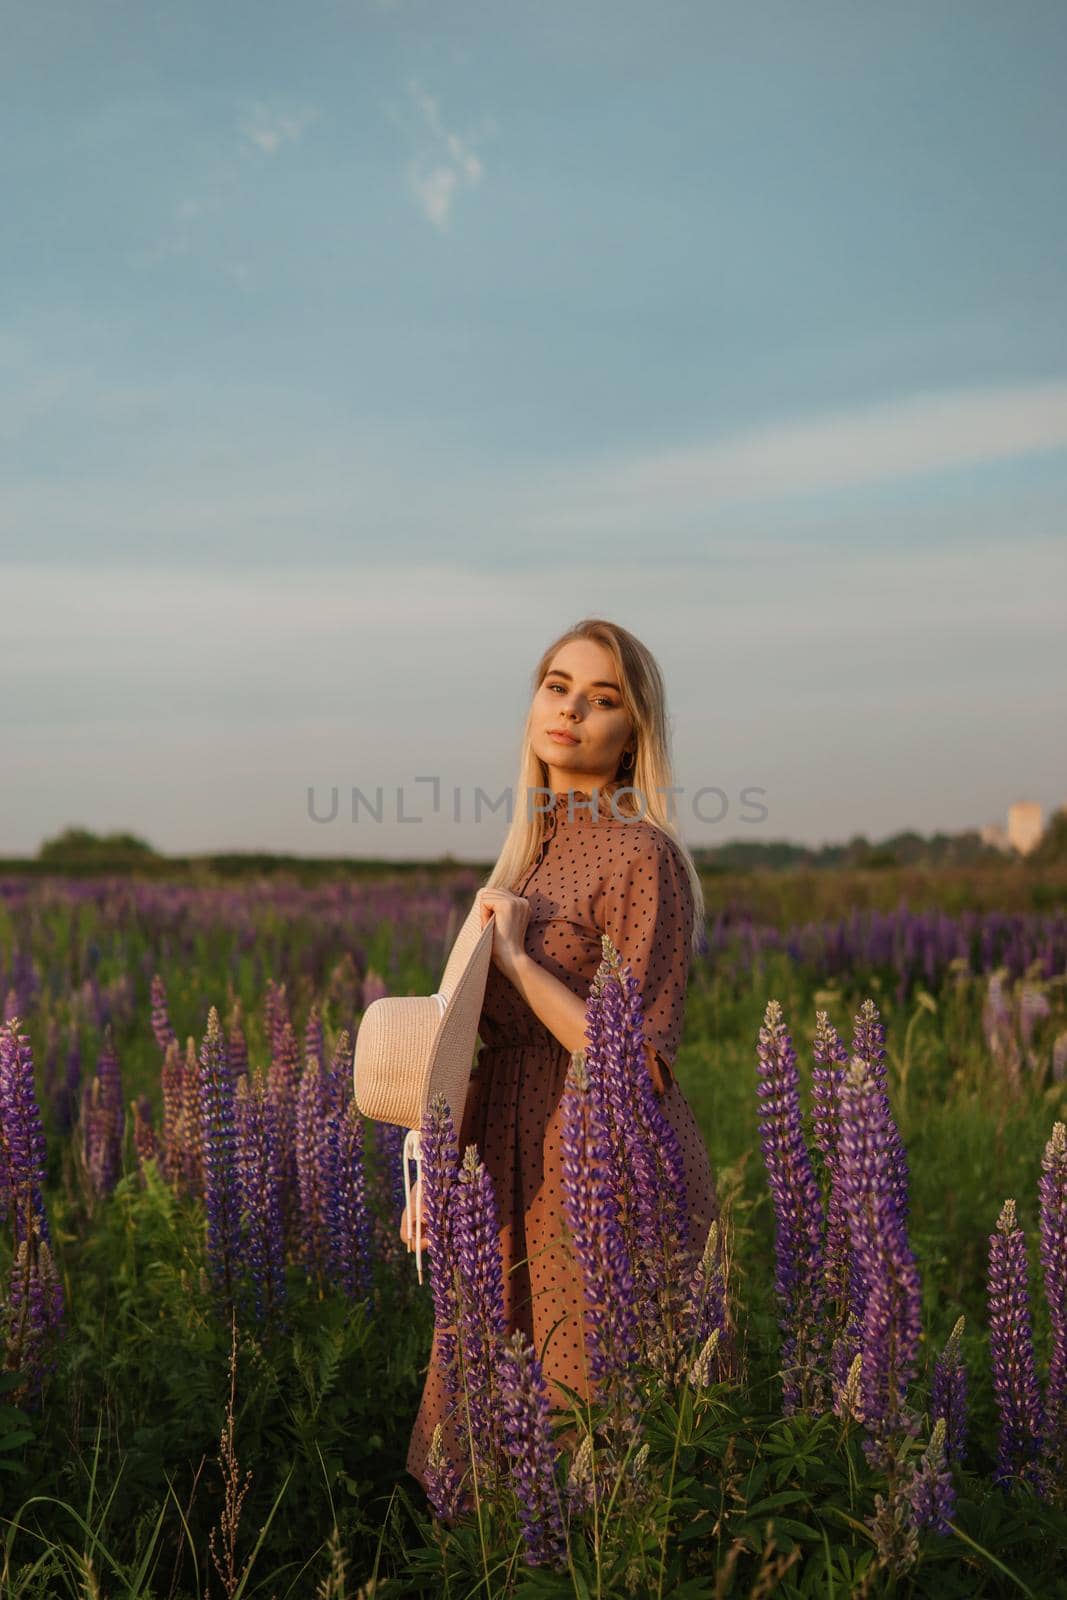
{"points": [[214, 1337]]}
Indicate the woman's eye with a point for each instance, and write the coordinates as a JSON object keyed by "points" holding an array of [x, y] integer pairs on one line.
{"points": [[603, 699]]}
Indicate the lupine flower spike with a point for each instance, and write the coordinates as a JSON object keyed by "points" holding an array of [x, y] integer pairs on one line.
{"points": [[161, 1025], [313, 1167], [34, 1310], [931, 1493], [798, 1214], [476, 1241], [592, 1217], [219, 1133], [440, 1165], [348, 1217], [830, 1058], [528, 1437], [648, 1176], [948, 1394], [257, 1173], [886, 1274], [1052, 1189], [1011, 1347]]}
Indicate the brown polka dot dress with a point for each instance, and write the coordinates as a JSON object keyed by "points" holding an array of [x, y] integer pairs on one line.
{"points": [[594, 874]]}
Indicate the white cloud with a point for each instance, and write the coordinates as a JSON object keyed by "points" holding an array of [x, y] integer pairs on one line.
{"points": [[268, 128], [888, 441], [263, 128], [435, 191], [445, 162]]}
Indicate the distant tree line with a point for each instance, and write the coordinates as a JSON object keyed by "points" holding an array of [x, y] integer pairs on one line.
{"points": [[906, 849], [79, 850]]}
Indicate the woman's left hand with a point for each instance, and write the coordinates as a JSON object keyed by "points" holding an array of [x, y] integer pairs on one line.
{"points": [[511, 913]]}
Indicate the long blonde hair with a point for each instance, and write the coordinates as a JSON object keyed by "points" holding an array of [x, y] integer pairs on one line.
{"points": [[644, 698]]}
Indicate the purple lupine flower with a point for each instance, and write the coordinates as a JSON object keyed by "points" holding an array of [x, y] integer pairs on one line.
{"points": [[118, 998], [601, 1053], [104, 1120], [830, 1058], [280, 1021], [1052, 1188], [1059, 1058], [313, 1177], [948, 1394], [144, 1133], [868, 1042], [887, 1274], [339, 1076], [439, 1162], [528, 1437], [444, 1490], [221, 1192], [7, 1199], [257, 1173], [343, 990], [611, 1324], [314, 1041], [171, 1079], [23, 1152], [649, 1171], [95, 1140], [192, 1123], [374, 988], [475, 1235], [89, 1001], [33, 1314], [998, 1025], [1034, 1007], [646, 1167], [1012, 1352], [161, 1025], [283, 1084], [931, 1493], [237, 1045], [798, 1214], [386, 1189], [348, 1218], [270, 1003]]}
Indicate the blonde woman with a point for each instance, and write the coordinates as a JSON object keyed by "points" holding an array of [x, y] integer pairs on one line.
{"points": [[592, 852]]}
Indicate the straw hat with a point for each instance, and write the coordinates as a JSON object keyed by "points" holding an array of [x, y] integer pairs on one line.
{"points": [[410, 1047]]}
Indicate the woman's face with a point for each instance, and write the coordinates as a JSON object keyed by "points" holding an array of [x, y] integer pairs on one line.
{"points": [[580, 695]]}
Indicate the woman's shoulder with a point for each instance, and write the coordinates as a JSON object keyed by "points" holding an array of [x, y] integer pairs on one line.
{"points": [[641, 842], [641, 837]]}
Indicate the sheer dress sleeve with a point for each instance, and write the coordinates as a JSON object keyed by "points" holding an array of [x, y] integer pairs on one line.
{"points": [[648, 915]]}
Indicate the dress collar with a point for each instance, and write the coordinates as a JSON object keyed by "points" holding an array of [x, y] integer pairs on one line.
{"points": [[572, 806]]}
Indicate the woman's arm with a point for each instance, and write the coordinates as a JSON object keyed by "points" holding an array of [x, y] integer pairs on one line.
{"points": [[563, 1014], [551, 1001], [559, 1008]]}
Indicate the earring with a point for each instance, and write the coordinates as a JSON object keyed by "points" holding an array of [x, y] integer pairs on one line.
{"points": [[627, 765]]}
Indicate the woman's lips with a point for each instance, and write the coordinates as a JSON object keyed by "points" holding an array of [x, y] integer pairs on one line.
{"points": [[562, 738]]}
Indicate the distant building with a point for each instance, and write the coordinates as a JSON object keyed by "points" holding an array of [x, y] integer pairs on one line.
{"points": [[1024, 825], [993, 834]]}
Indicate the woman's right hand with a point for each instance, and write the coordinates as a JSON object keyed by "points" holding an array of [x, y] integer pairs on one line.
{"points": [[407, 1233], [511, 913]]}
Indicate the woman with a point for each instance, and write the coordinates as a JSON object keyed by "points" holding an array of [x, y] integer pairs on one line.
{"points": [[601, 857]]}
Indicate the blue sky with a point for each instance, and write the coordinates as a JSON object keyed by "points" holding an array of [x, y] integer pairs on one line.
{"points": [[349, 351]]}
